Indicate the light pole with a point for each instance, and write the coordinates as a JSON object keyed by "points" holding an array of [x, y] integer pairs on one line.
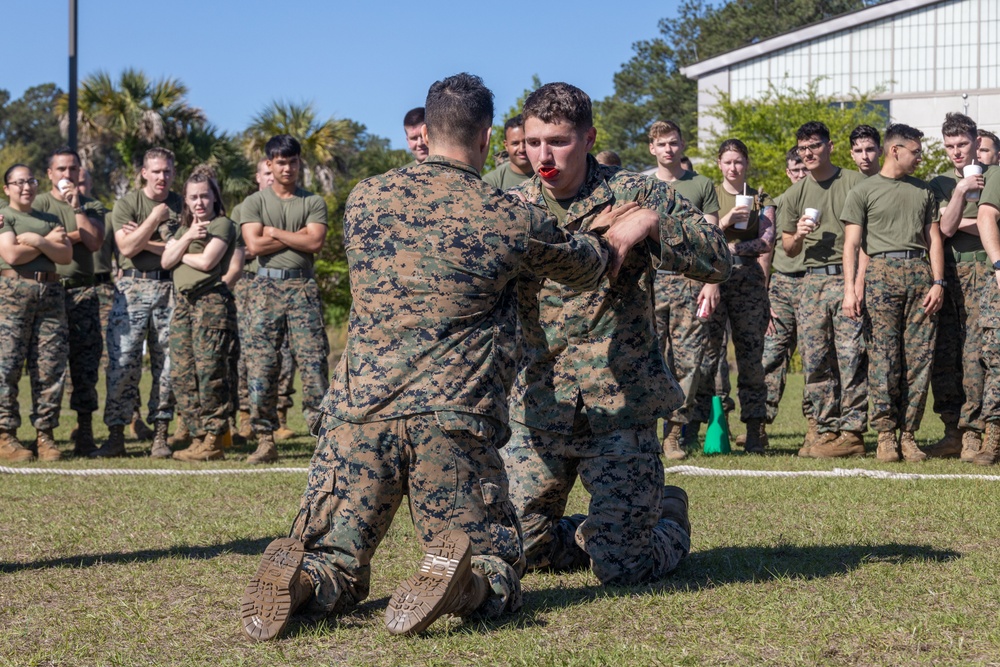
{"points": [[72, 74]]}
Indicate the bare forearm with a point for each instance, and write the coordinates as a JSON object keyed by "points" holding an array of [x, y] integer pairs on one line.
{"points": [[88, 232], [951, 215], [304, 240], [791, 245]]}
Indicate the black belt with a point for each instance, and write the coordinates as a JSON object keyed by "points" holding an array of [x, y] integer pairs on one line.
{"points": [[102, 278], [828, 270], [741, 260], [145, 275], [74, 283], [249, 275], [901, 254], [791, 274], [36, 276], [284, 274]]}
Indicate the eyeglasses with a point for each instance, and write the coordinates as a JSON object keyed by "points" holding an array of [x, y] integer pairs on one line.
{"points": [[917, 152], [810, 148], [30, 182]]}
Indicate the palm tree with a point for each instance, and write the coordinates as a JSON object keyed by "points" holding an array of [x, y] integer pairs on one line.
{"points": [[326, 146], [129, 117]]}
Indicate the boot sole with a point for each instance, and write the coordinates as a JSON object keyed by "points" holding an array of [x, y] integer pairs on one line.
{"points": [[267, 599], [419, 601]]}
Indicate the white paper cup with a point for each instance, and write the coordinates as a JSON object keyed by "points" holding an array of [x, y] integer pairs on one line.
{"points": [[64, 184], [814, 214], [743, 200], [972, 170]]}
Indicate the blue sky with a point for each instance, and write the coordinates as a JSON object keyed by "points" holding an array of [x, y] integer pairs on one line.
{"points": [[367, 61]]}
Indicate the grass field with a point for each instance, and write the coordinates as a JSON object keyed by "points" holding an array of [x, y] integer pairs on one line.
{"points": [[120, 570]]}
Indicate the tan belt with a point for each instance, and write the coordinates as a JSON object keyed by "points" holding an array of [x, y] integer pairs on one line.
{"points": [[36, 276]]}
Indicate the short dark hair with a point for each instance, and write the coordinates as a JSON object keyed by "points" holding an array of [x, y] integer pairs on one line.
{"points": [[557, 102], [989, 135], [734, 145], [282, 145], [813, 128], [956, 124], [65, 150], [865, 132], [516, 121], [414, 117], [458, 109], [793, 155], [904, 132], [6, 174]]}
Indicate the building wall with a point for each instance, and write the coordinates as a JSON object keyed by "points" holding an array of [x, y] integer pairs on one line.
{"points": [[921, 61]]}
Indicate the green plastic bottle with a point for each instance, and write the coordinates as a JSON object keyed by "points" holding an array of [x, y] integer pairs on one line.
{"points": [[717, 434]]}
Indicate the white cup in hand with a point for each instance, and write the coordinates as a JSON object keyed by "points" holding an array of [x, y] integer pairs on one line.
{"points": [[813, 214], [743, 200], [972, 170]]}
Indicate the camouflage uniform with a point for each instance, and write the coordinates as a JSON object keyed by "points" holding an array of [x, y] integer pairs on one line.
{"points": [[893, 214], [82, 304], [683, 337], [33, 328], [591, 384], [957, 377], [417, 405], [142, 309], [202, 340], [285, 310], [744, 309], [103, 284], [831, 345], [989, 311]]}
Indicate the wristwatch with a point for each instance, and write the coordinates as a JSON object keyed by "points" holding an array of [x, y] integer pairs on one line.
{"points": [[996, 265], [942, 283]]}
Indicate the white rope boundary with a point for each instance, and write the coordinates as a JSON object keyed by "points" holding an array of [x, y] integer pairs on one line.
{"points": [[671, 470]]}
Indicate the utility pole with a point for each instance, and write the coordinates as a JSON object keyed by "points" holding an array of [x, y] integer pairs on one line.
{"points": [[72, 74]]}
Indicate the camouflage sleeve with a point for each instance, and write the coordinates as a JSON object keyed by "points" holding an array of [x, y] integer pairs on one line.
{"points": [[577, 260], [688, 243]]}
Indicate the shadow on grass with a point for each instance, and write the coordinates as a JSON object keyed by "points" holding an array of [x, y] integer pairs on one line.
{"points": [[240, 547]]}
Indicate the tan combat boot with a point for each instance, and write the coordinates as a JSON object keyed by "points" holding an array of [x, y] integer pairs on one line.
{"points": [[207, 449], [113, 446], [160, 449], [908, 445], [283, 432], [851, 442], [139, 429], [674, 507], [950, 445], [445, 584], [266, 452], [991, 446], [756, 440], [46, 445], [83, 435], [888, 448], [246, 428], [672, 441], [972, 442], [181, 436], [11, 449], [276, 591], [805, 451], [830, 446]]}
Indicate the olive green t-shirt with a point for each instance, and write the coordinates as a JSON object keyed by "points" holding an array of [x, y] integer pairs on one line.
{"points": [[989, 313], [237, 217], [825, 245], [557, 207], [189, 280], [102, 258], [782, 262], [727, 203], [135, 207], [82, 265], [291, 215], [892, 213], [943, 187], [504, 178], [39, 222], [697, 189]]}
